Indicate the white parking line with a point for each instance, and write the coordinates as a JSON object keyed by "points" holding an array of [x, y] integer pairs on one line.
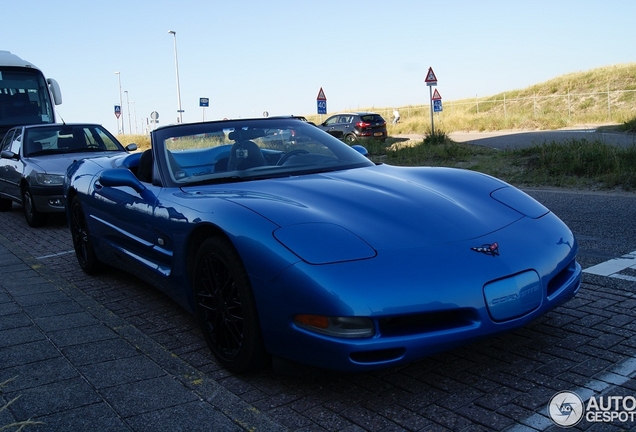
{"points": [[613, 267], [55, 255], [602, 382]]}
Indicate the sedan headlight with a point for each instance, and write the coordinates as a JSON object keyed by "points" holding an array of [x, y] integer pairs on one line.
{"points": [[347, 327], [49, 179]]}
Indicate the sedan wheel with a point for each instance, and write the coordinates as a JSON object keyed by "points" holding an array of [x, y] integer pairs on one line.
{"points": [[33, 217], [226, 308], [82, 241]]}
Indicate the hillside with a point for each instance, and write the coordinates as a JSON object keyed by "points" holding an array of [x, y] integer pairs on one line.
{"points": [[604, 95]]}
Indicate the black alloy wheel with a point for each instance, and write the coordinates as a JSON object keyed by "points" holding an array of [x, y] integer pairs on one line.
{"points": [[226, 308], [80, 235]]}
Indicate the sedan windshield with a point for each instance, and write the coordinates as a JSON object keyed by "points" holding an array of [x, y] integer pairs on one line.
{"points": [[63, 138], [251, 149]]}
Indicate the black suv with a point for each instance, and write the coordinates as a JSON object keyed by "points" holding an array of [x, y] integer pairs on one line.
{"points": [[354, 126]]}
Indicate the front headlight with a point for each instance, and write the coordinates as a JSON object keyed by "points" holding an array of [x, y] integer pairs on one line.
{"points": [[49, 179], [346, 327], [520, 201]]}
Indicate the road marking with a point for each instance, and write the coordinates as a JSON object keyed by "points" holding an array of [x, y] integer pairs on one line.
{"points": [[602, 382], [55, 255], [613, 267]]}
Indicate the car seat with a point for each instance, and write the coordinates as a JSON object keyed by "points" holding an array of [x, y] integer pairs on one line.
{"points": [[244, 155], [144, 170]]}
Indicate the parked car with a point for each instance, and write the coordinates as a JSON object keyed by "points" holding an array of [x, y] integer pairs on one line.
{"points": [[314, 254], [34, 160], [355, 126]]}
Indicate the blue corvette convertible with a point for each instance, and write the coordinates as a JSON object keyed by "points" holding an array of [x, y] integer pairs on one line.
{"points": [[286, 242]]}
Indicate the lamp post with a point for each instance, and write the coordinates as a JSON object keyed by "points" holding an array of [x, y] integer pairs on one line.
{"points": [[128, 109], [135, 115], [120, 105], [176, 66]]}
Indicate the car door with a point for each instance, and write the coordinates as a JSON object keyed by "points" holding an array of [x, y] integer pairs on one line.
{"points": [[137, 229], [11, 166], [333, 126]]}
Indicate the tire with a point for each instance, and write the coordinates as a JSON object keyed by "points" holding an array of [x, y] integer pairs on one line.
{"points": [[33, 217], [226, 308], [350, 139], [5, 204], [84, 251]]}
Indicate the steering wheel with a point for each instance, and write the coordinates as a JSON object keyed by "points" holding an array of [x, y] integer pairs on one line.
{"points": [[285, 157]]}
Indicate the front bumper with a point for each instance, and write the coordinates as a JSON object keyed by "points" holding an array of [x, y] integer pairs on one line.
{"points": [[48, 199], [422, 301]]}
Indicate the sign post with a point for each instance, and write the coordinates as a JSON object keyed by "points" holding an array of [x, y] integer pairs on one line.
{"points": [[321, 102], [204, 103], [117, 114], [431, 81], [437, 101], [154, 119]]}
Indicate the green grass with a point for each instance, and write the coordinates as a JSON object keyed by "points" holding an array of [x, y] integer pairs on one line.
{"points": [[574, 163], [629, 126]]}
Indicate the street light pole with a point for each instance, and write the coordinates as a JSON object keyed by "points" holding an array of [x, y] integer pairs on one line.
{"points": [[120, 106], [176, 66], [128, 108], [135, 115]]}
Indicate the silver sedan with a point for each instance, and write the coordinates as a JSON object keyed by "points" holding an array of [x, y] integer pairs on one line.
{"points": [[34, 159]]}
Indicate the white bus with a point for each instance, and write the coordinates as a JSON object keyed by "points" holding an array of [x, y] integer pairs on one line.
{"points": [[26, 96]]}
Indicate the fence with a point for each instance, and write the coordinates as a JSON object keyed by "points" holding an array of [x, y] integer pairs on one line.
{"points": [[610, 105]]}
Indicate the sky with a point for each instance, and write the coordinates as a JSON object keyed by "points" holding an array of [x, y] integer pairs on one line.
{"points": [[251, 57]]}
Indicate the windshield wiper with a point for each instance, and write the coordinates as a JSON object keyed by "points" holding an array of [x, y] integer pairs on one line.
{"points": [[45, 152]]}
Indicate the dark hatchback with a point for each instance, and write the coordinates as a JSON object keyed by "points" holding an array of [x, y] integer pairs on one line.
{"points": [[355, 126]]}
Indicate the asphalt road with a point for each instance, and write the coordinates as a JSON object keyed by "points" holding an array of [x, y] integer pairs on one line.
{"points": [[504, 383], [520, 139]]}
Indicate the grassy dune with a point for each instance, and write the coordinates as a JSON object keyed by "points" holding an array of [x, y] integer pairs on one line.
{"points": [[599, 96]]}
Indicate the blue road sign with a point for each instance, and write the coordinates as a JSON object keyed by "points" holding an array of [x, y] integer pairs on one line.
{"points": [[204, 102], [322, 106], [437, 105]]}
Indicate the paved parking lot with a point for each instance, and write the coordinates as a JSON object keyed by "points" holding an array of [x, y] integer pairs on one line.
{"points": [[502, 383]]}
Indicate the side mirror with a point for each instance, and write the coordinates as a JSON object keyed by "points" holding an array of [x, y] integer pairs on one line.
{"points": [[55, 91], [360, 149], [118, 177], [131, 147], [6, 154]]}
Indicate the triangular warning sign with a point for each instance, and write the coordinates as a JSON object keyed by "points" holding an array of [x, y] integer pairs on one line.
{"points": [[321, 95], [436, 95], [430, 76]]}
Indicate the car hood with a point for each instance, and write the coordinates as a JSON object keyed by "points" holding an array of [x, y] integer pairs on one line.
{"points": [[384, 206], [58, 163]]}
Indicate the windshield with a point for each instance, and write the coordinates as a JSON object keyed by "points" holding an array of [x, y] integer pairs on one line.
{"points": [[24, 97], [62, 138], [251, 149]]}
